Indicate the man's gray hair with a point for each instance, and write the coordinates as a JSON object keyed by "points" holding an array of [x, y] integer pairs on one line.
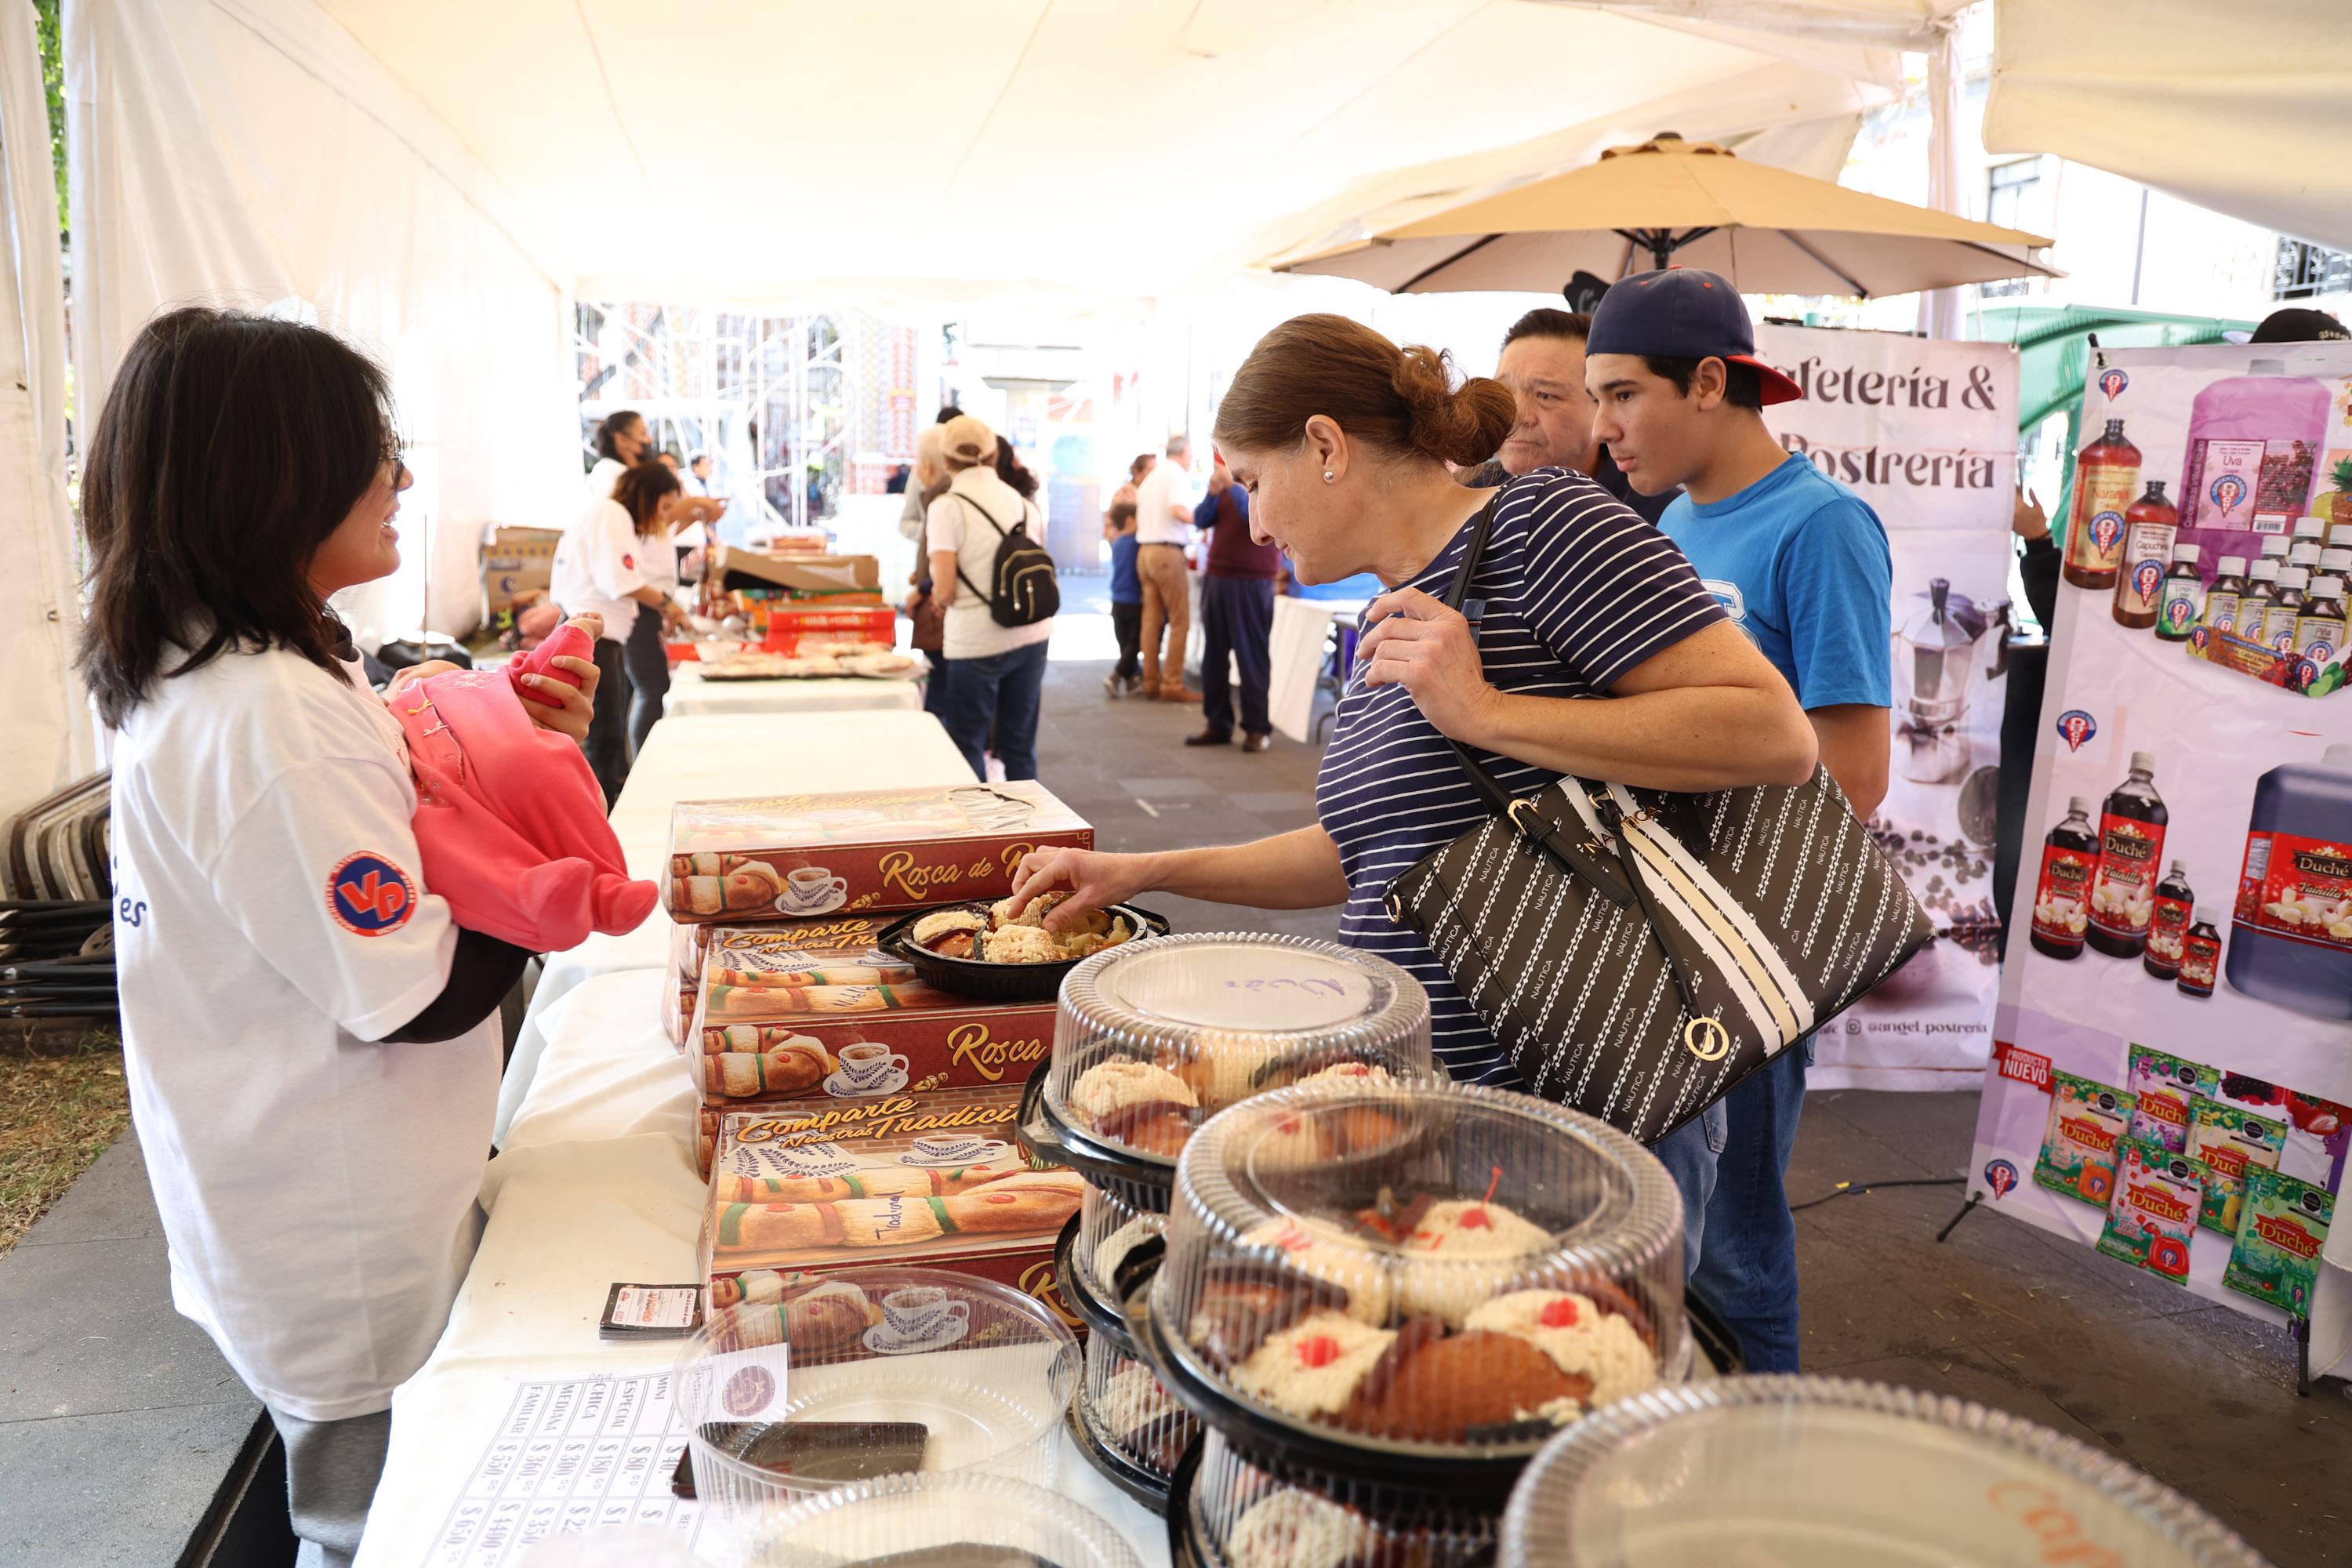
{"points": [[1179, 445]]}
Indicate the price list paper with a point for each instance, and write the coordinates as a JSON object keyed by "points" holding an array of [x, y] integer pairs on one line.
{"points": [[571, 1456]]}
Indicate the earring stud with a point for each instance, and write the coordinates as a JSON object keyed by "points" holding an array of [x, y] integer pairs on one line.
{"points": [[1326, 475]]}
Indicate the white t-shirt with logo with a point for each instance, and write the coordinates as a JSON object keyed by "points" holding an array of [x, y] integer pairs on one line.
{"points": [[317, 1190], [607, 472], [1166, 485], [599, 562]]}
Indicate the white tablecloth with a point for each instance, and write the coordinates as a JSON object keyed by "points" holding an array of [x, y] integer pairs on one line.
{"points": [[689, 694], [596, 1186], [1295, 651], [717, 757]]}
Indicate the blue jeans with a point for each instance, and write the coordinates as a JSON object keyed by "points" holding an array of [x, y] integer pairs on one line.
{"points": [[1739, 1240], [1003, 690]]}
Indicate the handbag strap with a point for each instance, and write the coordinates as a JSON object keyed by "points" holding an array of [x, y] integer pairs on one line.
{"points": [[1552, 837]]}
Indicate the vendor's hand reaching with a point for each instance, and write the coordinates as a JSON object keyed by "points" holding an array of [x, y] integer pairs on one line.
{"points": [[556, 705], [1417, 643], [2026, 518], [1093, 879]]}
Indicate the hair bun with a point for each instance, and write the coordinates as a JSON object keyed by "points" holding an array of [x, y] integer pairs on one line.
{"points": [[1460, 425]]}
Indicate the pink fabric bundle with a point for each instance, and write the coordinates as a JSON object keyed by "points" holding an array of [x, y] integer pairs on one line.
{"points": [[511, 824]]}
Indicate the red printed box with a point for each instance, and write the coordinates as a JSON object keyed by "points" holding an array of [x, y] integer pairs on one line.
{"points": [[793, 629], [803, 855], [839, 952], [941, 1182]]}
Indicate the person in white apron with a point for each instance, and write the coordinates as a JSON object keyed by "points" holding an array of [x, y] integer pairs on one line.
{"points": [[311, 1043]]}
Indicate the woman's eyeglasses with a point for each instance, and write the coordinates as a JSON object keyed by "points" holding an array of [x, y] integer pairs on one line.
{"points": [[392, 455]]}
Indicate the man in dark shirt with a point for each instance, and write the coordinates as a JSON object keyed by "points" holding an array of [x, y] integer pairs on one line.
{"points": [[1543, 364], [1236, 616]]}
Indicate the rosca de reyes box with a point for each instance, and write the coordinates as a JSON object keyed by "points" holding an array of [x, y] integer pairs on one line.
{"points": [[941, 1182], [837, 952], [798, 857]]}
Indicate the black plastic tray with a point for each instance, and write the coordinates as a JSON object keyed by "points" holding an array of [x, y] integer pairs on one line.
{"points": [[985, 982], [1101, 1317], [1119, 1470], [1142, 1181]]}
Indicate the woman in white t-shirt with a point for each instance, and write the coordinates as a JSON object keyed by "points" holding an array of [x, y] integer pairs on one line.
{"points": [[621, 442], [615, 561], [311, 1043], [995, 675]]}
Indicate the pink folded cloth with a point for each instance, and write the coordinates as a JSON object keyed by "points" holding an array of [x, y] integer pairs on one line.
{"points": [[511, 824]]}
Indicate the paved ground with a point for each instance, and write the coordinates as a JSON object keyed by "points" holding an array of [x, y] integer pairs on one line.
{"points": [[2197, 1395], [118, 1418]]}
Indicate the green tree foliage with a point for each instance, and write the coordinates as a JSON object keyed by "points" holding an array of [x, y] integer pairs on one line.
{"points": [[53, 82]]}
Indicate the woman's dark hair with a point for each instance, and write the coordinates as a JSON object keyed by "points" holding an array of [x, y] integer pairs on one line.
{"points": [[1546, 322], [608, 432], [1143, 462], [1009, 469], [231, 445], [640, 491], [1399, 402], [1742, 387]]}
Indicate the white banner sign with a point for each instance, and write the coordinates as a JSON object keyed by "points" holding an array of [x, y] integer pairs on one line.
{"points": [[1927, 433]]}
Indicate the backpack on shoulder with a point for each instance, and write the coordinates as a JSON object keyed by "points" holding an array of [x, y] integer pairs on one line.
{"points": [[1022, 588]]}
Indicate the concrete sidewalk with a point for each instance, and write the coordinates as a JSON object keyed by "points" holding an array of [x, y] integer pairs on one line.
{"points": [[118, 1418]]}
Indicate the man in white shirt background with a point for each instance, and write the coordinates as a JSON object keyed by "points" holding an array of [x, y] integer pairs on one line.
{"points": [[1163, 527]]}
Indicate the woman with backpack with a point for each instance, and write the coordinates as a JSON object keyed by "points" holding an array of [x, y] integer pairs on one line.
{"points": [[989, 571]]}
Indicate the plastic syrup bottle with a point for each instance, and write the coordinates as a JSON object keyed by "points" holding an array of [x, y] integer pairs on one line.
{"points": [[2220, 614], [2200, 954], [2319, 630], [2310, 531], [2106, 474], [2131, 847], [2150, 525], [2062, 898], [2181, 598], [2286, 609], [2304, 554], [2292, 944], [2169, 924], [2254, 604]]}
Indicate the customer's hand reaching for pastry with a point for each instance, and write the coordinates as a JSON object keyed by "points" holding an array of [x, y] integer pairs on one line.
{"points": [[1093, 879], [1417, 643]]}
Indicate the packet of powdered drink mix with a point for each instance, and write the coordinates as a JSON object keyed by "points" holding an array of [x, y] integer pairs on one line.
{"points": [[2162, 1087], [2078, 1154], [2230, 1140], [2280, 1235], [2154, 1215]]}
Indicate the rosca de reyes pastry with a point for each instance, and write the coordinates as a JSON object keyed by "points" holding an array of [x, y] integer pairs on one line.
{"points": [[1293, 1528], [739, 1076], [1312, 1368], [1438, 1386], [1136, 1103]]}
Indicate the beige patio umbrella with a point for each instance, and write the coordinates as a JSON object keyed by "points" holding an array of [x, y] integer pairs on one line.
{"points": [[1669, 202]]}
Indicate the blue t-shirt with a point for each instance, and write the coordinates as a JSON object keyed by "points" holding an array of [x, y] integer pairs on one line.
{"points": [[1577, 591], [1126, 587], [1799, 562]]}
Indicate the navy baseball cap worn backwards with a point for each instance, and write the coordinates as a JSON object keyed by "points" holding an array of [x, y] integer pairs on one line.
{"points": [[1683, 312]]}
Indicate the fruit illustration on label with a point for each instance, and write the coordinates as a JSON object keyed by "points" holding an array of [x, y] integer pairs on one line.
{"points": [[2181, 599], [2106, 477], [2220, 612], [2131, 849], [2061, 900], [2170, 923]]}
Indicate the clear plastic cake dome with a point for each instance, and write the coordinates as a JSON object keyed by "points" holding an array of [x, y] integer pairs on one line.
{"points": [[1388, 1278], [1239, 1515], [1154, 1037], [959, 1519], [1117, 1246], [1128, 1423], [1834, 1473]]}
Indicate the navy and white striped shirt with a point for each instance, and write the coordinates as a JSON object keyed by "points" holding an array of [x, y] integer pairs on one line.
{"points": [[1577, 591]]}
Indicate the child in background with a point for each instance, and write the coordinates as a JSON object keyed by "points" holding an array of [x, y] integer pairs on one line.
{"points": [[1126, 601]]}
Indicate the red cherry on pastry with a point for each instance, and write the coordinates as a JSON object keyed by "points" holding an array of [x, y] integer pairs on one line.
{"points": [[1474, 1219], [999, 1198], [1560, 1314], [1320, 1351]]}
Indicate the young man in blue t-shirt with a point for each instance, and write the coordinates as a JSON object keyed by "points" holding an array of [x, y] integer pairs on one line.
{"points": [[1801, 563]]}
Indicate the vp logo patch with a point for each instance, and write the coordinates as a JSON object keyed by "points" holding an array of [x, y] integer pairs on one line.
{"points": [[368, 894]]}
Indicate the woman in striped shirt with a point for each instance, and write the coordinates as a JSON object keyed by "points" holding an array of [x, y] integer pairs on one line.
{"points": [[1343, 440]]}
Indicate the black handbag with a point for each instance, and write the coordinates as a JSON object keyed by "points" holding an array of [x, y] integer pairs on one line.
{"points": [[1638, 952]]}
